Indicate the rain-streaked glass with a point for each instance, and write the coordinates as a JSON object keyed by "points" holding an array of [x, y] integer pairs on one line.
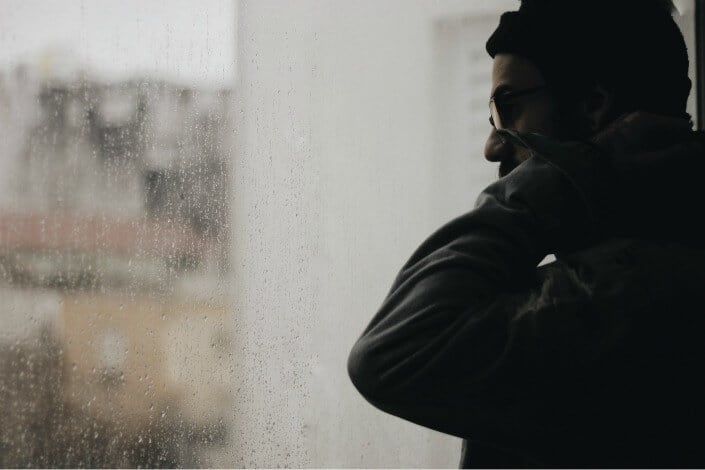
{"points": [[202, 204]]}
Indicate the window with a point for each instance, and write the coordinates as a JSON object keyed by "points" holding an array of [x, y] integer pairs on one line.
{"points": [[116, 123], [203, 203]]}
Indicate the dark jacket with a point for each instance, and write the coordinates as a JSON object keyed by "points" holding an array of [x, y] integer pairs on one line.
{"points": [[594, 360]]}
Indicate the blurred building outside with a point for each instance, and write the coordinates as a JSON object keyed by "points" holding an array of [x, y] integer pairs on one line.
{"points": [[114, 237]]}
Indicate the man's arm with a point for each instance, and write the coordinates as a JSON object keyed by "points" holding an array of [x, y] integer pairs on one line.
{"points": [[469, 336]]}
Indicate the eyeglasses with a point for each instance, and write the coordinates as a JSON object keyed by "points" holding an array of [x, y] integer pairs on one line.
{"points": [[502, 109]]}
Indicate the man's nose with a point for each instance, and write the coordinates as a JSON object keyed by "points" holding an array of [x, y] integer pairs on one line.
{"points": [[495, 149]]}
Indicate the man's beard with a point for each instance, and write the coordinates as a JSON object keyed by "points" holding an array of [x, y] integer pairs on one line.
{"points": [[508, 165]]}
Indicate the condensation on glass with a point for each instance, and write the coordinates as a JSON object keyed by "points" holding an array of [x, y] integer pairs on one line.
{"points": [[188, 253], [114, 239]]}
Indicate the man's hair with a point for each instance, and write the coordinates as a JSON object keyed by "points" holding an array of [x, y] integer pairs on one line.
{"points": [[633, 48]]}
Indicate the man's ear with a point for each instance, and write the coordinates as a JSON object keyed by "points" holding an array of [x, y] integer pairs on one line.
{"points": [[597, 107]]}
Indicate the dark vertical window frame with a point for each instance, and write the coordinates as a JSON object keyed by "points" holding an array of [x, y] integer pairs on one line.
{"points": [[700, 60]]}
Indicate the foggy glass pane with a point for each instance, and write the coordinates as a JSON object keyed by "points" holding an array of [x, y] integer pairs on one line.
{"points": [[114, 233], [201, 206]]}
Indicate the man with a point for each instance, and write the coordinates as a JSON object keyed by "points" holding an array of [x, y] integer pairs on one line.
{"points": [[596, 359]]}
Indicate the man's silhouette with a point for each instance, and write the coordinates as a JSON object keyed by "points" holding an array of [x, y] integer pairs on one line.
{"points": [[596, 359]]}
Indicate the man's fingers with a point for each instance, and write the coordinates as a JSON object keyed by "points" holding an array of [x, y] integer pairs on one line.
{"points": [[672, 155], [648, 122], [648, 129], [641, 131]]}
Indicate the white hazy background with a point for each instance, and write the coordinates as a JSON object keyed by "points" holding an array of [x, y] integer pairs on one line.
{"points": [[180, 40], [359, 131], [344, 115]]}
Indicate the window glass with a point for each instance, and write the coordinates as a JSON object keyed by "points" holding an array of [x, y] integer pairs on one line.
{"points": [[202, 204], [685, 18], [115, 149]]}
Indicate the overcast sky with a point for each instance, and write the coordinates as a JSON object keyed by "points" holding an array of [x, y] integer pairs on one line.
{"points": [[189, 41]]}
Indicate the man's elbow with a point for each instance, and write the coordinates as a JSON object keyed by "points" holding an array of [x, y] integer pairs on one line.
{"points": [[365, 371]]}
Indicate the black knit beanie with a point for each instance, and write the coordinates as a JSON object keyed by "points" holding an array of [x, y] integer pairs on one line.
{"points": [[632, 47]]}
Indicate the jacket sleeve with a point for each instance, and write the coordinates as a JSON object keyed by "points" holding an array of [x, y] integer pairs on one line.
{"points": [[465, 341]]}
